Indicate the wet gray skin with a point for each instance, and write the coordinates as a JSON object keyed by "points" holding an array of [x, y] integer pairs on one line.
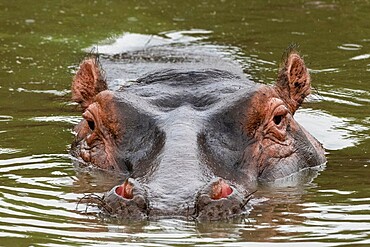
{"points": [[190, 135]]}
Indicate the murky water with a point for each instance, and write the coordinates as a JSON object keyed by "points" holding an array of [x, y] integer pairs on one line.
{"points": [[41, 42]]}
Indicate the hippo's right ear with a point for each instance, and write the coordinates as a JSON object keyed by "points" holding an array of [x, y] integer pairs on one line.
{"points": [[88, 82], [293, 83]]}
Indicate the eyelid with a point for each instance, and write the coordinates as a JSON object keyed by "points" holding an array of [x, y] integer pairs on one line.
{"points": [[88, 116], [281, 110]]}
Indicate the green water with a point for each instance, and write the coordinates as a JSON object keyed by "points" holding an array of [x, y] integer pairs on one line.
{"points": [[41, 42]]}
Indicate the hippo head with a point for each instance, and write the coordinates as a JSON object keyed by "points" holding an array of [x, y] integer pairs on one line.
{"points": [[192, 142]]}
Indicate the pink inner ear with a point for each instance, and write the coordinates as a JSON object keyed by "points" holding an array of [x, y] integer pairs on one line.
{"points": [[293, 83], [297, 71]]}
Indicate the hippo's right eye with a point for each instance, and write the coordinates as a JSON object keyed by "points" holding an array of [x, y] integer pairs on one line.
{"points": [[91, 124], [89, 119]]}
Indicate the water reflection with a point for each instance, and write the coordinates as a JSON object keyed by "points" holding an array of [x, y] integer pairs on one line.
{"points": [[335, 133], [134, 41]]}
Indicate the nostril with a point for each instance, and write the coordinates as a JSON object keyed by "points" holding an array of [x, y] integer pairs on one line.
{"points": [[219, 200], [220, 189], [125, 190], [126, 201]]}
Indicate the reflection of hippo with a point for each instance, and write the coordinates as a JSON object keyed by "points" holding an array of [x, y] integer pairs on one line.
{"points": [[191, 138]]}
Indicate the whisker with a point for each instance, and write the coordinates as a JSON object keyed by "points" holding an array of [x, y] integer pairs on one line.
{"points": [[247, 198], [94, 199]]}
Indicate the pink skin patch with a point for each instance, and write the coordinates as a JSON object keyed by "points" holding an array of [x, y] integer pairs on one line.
{"points": [[125, 190], [221, 190]]}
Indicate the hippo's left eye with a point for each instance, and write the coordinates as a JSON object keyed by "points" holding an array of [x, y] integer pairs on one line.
{"points": [[279, 114], [277, 119]]}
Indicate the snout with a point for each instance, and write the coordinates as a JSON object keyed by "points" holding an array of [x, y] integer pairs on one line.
{"points": [[220, 201]]}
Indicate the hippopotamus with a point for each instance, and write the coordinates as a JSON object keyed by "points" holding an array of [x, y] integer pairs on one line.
{"points": [[190, 137]]}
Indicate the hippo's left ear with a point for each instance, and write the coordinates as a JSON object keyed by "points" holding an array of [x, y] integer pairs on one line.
{"points": [[88, 82], [293, 83]]}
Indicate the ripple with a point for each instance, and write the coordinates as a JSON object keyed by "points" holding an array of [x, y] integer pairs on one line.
{"points": [[328, 70], [339, 192], [63, 119], [332, 222], [339, 101], [350, 47], [54, 92], [346, 96], [366, 199], [40, 196], [9, 150], [361, 57], [5, 118]]}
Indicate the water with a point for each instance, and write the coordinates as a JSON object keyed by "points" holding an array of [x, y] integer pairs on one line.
{"points": [[41, 42]]}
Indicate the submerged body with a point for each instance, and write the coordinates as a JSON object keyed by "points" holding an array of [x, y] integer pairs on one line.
{"points": [[191, 138]]}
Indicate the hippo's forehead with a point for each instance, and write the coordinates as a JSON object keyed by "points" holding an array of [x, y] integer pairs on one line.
{"points": [[201, 90]]}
